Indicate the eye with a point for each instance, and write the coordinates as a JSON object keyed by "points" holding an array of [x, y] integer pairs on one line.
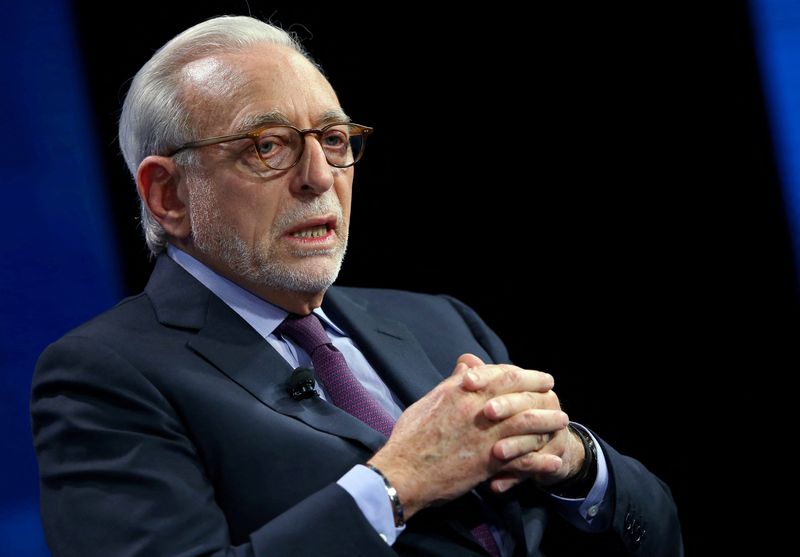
{"points": [[335, 138], [270, 142]]}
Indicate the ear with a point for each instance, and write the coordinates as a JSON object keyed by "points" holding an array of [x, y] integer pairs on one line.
{"points": [[163, 190]]}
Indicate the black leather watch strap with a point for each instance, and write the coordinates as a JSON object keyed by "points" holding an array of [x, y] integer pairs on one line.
{"points": [[578, 486]]}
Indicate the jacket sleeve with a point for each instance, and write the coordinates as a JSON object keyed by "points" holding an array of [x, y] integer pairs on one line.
{"points": [[485, 336], [120, 475], [644, 516]]}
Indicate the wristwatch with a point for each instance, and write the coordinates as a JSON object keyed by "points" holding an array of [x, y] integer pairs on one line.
{"points": [[578, 486]]}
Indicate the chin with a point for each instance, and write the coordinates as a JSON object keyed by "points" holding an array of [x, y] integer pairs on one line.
{"points": [[311, 276]]}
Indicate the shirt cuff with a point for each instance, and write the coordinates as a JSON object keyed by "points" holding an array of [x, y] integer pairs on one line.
{"points": [[369, 492], [589, 514]]}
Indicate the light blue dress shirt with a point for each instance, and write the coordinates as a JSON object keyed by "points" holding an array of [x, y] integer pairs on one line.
{"points": [[364, 485]]}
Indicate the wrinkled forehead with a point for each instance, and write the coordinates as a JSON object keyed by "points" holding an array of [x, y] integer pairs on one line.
{"points": [[222, 91]]}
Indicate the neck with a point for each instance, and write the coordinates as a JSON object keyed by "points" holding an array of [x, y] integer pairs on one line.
{"points": [[300, 303]]}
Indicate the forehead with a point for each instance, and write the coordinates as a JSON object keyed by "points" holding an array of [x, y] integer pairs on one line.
{"points": [[227, 90]]}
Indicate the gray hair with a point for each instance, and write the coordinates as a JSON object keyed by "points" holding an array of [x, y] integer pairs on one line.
{"points": [[155, 116]]}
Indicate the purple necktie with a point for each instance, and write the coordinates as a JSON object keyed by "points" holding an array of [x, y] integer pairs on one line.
{"points": [[346, 392], [484, 536]]}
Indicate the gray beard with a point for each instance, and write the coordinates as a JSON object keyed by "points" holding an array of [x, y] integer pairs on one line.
{"points": [[213, 238]]}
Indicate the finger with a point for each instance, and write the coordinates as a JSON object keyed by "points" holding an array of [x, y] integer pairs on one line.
{"points": [[504, 406], [471, 381], [531, 464], [531, 422], [506, 378], [471, 360], [460, 368], [503, 482], [518, 445]]}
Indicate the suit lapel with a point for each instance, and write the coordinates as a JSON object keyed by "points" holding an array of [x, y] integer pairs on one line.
{"points": [[387, 344], [226, 341], [234, 347], [229, 343]]}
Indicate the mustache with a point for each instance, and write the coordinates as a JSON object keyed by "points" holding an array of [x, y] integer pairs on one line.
{"points": [[322, 205]]}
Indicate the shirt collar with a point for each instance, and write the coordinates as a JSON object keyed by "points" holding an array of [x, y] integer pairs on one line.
{"points": [[263, 316]]}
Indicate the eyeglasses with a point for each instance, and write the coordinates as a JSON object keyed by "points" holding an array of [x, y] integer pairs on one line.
{"points": [[280, 146]]}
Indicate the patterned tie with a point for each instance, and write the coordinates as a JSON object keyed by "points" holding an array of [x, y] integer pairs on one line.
{"points": [[484, 536], [346, 392]]}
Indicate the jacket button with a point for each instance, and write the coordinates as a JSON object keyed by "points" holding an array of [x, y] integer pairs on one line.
{"points": [[628, 520], [639, 536]]}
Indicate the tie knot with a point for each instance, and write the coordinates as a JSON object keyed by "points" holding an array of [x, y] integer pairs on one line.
{"points": [[305, 330]]}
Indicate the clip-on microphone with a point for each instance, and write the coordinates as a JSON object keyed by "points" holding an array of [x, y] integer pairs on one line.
{"points": [[301, 384]]}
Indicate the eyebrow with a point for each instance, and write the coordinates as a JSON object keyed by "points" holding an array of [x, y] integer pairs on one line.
{"points": [[275, 117], [330, 116]]}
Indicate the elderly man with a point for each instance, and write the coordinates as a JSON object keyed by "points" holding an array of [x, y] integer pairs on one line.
{"points": [[174, 424]]}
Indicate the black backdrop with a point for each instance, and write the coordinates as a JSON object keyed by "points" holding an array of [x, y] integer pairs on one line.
{"points": [[597, 182]]}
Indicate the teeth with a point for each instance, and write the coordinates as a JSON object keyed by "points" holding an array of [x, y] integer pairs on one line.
{"points": [[313, 232]]}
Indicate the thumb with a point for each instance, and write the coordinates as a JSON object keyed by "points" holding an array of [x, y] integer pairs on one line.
{"points": [[470, 360], [460, 369]]}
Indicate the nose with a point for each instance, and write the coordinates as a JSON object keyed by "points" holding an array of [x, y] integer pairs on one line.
{"points": [[315, 175]]}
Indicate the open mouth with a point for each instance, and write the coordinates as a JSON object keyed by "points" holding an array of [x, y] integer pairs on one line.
{"points": [[312, 232], [313, 229]]}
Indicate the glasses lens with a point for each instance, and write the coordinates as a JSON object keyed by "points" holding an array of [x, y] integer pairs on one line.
{"points": [[357, 139], [281, 147], [342, 144]]}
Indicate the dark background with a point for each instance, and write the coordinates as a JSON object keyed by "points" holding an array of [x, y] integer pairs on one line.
{"points": [[597, 182]]}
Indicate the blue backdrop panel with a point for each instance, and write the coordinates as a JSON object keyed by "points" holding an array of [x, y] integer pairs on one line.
{"points": [[776, 26], [58, 264]]}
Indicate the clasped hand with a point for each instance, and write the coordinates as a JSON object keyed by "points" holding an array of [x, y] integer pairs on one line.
{"points": [[497, 422]]}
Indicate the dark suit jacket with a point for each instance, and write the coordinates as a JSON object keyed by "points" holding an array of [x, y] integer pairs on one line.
{"points": [[164, 427]]}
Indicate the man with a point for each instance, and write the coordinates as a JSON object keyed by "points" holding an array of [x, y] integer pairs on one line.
{"points": [[174, 424]]}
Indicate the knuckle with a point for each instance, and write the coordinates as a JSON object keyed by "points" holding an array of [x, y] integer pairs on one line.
{"points": [[465, 407], [551, 400], [462, 413], [528, 460], [511, 447], [533, 419], [513, 375], [500, 405], [531, 399]]}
